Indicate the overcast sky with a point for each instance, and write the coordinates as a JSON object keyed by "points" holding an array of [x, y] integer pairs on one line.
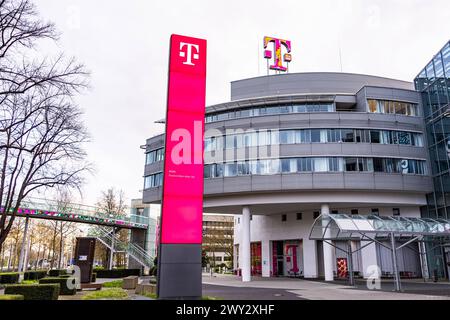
{"points": [[125, 45]]}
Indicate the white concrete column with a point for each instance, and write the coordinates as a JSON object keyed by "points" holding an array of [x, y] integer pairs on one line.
{"points": [[328, 263], [309, 258], [369, 261], [265, 257], [245, 244]]}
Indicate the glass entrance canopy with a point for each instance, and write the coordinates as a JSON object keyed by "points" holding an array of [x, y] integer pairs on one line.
{"points": [[353, 227]]}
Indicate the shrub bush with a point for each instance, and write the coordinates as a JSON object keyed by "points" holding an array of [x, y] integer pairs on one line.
{"points": [[57, 272], [117, 273], [9, 277], [34, 275], [34, 291], [62, 281], [11, 297]]}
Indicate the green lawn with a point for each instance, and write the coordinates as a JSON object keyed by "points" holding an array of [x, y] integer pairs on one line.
{"points": [[107, 294], [113, 284]]}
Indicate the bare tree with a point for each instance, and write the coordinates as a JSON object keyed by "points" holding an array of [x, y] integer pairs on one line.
{"points": [[41, 132], [112, 203]]}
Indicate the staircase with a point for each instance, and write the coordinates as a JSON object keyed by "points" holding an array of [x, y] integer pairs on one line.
{"points": [[133, 250]]}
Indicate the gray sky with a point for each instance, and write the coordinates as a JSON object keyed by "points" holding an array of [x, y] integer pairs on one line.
{"points": [[125, 45]]}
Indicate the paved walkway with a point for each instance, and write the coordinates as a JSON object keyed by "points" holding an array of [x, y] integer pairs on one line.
{"points": [[303, 289]]}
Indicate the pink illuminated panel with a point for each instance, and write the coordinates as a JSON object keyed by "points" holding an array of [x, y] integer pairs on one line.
{"points": [[182, 206]]}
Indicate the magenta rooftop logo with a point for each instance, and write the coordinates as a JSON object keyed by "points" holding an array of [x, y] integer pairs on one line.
{"points": [[275, 53]]}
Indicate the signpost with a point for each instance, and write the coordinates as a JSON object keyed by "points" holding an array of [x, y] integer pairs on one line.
{"points": [[179, 252]]}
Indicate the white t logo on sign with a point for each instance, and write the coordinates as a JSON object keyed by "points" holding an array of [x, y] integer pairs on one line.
{"points": [[189, 54]]}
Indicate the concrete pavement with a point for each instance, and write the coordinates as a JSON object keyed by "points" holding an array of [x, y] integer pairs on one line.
{"points": [[304, 289]]}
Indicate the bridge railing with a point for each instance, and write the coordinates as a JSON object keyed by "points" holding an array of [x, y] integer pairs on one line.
{"points": [[75, 211]]}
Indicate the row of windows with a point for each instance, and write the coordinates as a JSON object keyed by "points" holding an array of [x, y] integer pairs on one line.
{"points": [[270, 110], [154, 156], [323, 164], [392, 107], [268, 137], [316, 214], [153, 181]]}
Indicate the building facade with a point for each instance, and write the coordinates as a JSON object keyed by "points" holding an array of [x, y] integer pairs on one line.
{"points": [[290, 147], [218, 243], [433, 82]]}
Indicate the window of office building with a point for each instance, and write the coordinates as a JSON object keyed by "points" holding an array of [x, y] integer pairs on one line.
{"points": [[375, 211], [347, 135], [283, 217], [299, 216], [354, 211], [323, 164], [392, 107], [351, 164], [154, 156], [153, 181], [396, 211]]}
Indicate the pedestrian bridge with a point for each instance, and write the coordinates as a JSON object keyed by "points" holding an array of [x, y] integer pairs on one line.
{"points": [[74, 212]]}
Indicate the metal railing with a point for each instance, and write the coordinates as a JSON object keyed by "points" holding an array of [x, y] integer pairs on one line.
{"points": [[133, 250], [50, 209]]}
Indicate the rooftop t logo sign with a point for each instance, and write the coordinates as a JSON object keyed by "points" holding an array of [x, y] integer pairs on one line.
{"points": [[276, 52], [190, 53]]}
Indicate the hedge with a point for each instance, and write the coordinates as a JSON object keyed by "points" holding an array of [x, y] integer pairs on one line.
{"points": [[117, 273], [57, 272], [11, 297], [62, 281], [34, 291], [34, 275], [9, 277]]}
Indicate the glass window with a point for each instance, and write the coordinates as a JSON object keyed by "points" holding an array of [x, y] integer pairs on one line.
{"points": [[315, 135], [365, 164], [289, 165], [375, 136], [287, 137], [207, 171], [404, 138], [299, 108], [304, 165], [372, 106], [218, 170], [417, 139], [400, 108], [320, 165], [378, 165], [347, 135], [362, 136], [150, 158], [335, 164], [243, 168], [334, 135], [230, 169], [303, 136], [351, 164], [385, 137]]}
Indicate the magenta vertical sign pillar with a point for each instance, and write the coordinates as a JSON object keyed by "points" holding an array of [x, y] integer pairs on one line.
{"points": [[179, 255]]}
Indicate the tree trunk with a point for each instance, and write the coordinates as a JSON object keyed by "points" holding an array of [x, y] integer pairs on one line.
{"points": [[61, 249], [54, 245], [3, 257], [38, 256]]}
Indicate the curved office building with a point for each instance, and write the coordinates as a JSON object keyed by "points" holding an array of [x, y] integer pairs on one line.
{"points": [[289, 147]]}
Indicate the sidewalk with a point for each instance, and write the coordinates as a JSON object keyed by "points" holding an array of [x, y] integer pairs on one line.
{"points": [[316, 290]]}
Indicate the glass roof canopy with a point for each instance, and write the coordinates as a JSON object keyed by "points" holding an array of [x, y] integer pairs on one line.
{"points": [[353, 227]]}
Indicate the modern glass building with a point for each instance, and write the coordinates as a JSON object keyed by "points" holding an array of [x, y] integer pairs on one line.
{"points": [[289, 147], [433, 82]]}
